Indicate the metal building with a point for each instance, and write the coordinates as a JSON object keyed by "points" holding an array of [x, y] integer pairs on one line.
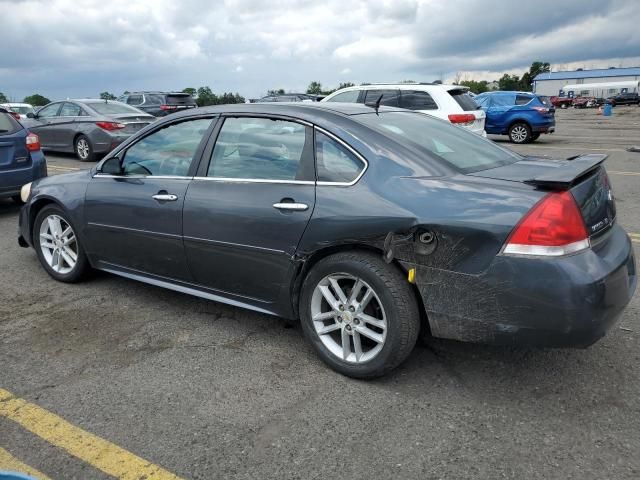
{"points": [[551, 83]]}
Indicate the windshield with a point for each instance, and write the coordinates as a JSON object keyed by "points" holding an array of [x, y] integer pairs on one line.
{"points": [[22, 110], [463, 150], [112, 108]]}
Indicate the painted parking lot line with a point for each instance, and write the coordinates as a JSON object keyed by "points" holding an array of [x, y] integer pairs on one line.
{"points": [[97, 452], [64, 169], [9, 463], [635, 237], [616, 172]]}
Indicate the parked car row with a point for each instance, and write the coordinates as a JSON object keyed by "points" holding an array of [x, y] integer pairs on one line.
{"points": [[627, 98]]}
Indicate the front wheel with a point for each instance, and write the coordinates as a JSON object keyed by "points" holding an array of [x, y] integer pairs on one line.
{"points": [[84, 149], [359, 313], [58, 248], [520, 133]]}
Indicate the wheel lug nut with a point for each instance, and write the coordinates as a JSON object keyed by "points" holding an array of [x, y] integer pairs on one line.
{"points": [[348, 327], [341, 307], [339, 319], [352, 309], [356, 321]]}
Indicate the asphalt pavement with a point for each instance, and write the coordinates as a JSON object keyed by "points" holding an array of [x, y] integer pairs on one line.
{"points": [[201, 390]]}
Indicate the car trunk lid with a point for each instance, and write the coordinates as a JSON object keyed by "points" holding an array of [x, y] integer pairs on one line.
{"points": [[584, 176], [133, 122], [13, 146]]}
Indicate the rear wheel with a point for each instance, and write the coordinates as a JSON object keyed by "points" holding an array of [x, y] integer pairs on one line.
{"points": [[359, 313], [84, 149], [520, 133], [58, 248]]}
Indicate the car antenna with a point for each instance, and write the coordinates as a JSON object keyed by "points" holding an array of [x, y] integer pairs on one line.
{"points": [[378, 103]]}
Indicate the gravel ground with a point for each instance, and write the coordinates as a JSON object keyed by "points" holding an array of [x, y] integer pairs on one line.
{"points": [[210, 391]]}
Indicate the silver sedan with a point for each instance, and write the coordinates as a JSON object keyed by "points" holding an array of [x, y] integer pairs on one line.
{"points": [[89, 128]]}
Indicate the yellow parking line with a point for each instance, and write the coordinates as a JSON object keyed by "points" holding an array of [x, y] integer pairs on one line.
{"points": [[66, 169], [99, 453], [551, 147], [9, 463], [622, 173]]}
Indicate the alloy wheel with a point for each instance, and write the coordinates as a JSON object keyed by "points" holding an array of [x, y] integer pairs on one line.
{"points": [[83, 148], [519, 133], [58, 244], [349, 318]]}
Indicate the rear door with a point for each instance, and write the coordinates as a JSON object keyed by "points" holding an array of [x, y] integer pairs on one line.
{"points": [[134, 218], [66, 125], [248, 207], [498, 113]]}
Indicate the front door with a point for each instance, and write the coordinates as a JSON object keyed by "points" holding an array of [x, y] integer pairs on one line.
{"points": [[134, 218], [245, 213], [44, 124]]}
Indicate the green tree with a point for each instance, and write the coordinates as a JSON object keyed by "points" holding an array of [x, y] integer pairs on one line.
{"points": [[279, 91], [3, 98], [509, 82], [107, 96], [206, 97], [346, 85], [536, 68], [36, 100], [190, 90], [314, 88], [126, 92], [476, 86]]}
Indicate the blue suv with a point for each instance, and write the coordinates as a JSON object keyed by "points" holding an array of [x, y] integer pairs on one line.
{"points": [[521, 115], [21, 160]]}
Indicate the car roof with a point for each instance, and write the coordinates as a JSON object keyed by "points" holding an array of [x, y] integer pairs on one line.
{"points": [[508, 92], [17, 104]]}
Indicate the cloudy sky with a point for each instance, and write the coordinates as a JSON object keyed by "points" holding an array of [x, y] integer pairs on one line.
{"points": [[74, 48]]}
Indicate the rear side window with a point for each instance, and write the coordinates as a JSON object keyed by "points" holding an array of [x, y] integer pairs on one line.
{"points": [[134, 100], [153, 99], [259, 148], [390, 98], [180, 100], [417, 100], [546, 101], [7, 124], [466, 101], [70, 110], [523, 99], [346, 97], [334, 162], [168, 151]]}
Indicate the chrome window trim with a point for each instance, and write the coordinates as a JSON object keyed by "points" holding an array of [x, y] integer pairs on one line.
{"points": [[255, 180], [352, 150], [162, 177]]}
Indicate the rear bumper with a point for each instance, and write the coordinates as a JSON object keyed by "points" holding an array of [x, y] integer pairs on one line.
{"points": [[564, 302], [544, 127], [11, 181]]}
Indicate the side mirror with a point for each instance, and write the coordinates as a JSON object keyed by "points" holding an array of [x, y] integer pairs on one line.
{"points": [[112, 166], [31, 115]]}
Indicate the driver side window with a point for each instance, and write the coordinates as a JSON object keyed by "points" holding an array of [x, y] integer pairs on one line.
{"points": [[166, 152]]}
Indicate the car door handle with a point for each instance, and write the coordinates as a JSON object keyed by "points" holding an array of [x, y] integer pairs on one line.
{"points": [[299, 207], [165, 197]]}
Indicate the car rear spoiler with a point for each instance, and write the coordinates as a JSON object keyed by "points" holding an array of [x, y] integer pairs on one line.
{"points": [[568, 172]]}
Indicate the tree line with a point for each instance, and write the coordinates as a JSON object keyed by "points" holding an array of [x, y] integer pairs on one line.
{"points": [[204, 95]]}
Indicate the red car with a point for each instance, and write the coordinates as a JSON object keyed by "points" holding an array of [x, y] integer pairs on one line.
{"points": [[561, 102]]}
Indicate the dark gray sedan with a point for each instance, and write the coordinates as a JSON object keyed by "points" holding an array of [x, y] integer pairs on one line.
{"points": [[89, 128], [370, 225]]}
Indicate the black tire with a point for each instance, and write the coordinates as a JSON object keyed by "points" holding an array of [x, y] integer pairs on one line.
{"points": [[84, 149], [520, 133], [81, 268], [17, 199], [396, 297], [535, 136]]}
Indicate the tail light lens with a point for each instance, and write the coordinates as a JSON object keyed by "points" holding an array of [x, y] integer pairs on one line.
{"points": [[15, 115], [33, 142], [462, 118], [553, 227], [541, 109], [168, 107], [110, 126]]}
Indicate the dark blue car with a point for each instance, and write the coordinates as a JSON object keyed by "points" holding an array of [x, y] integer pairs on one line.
{"points": [[521, 115], [21, 160]]}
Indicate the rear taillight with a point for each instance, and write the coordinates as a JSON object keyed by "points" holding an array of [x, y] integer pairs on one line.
{"points": [[462, 118], [33, 142], [110, 126], [553, 227], [541, 109], [168, 107], [15, 115]]}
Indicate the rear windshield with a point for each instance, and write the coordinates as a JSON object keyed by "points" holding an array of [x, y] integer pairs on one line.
{"points": [[465, 100], [177, 99], [112, 108], [546, 101], [460, 148], [8, 124], [22, 110]]}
